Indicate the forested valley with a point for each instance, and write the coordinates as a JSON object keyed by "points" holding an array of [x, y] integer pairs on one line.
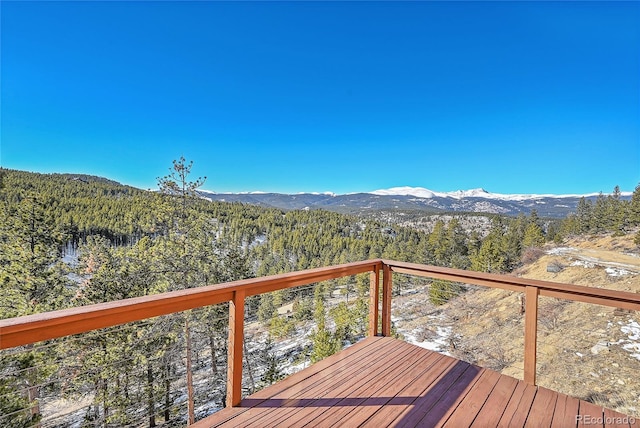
{"points": [[69, 240]]}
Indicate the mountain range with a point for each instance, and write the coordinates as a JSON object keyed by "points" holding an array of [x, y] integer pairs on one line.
{"points": [[414, 199]]}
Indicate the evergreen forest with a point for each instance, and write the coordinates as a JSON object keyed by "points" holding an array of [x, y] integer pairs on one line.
{"points": [[69, 240]]}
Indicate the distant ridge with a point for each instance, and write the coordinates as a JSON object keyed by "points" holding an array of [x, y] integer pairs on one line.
{"points": [[421, 192], [414, 199]]}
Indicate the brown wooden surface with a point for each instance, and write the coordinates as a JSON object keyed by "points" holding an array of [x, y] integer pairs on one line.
{"points": [[374, 293], [387, 287], [517, 410], [494, 407], [565, 410], [530, 334], [236, 342], [382, 382]]}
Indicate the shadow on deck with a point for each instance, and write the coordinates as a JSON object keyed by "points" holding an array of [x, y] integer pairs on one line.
{"points": [[387, 382]]}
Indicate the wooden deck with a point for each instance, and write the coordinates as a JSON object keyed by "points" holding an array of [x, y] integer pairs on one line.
{"points": [[383, 382]]}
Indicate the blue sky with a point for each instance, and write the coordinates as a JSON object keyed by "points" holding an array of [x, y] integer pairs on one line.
{"points": [[515, 97]]}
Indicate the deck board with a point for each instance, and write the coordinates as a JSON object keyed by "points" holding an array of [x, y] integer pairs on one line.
{"points": [[383, 397], [258, 403], [565, 412], [271, 402], [386, 382], [494, 407], [346, 392], [350, 401], [434, 402], [590, 411], [448, 401], [333, 389], [542, 409], [418, 388], [615, 420], [516, 416], [465, 413]]}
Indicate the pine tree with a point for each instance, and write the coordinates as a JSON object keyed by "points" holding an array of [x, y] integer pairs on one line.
{"points": [[273, 373], [533, 236], [584, 213], [114, 274], [600, 219], [457, 253], [32, 279], [323, 341], [634, 208], [490, 257], [616, 212], [441, 291], [188, 250], [512, 241], [438, 245]]}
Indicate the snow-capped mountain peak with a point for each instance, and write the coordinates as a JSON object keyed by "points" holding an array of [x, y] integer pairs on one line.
{"points": [[472, 193], [421, 192]]}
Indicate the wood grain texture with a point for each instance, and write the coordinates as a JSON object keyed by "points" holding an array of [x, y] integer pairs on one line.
{"points": [[236, 341], [382, 381], [374, 301], [530, 334], [387, 287]]}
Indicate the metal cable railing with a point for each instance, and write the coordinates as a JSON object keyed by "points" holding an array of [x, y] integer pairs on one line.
{"points": [[120, 376]]}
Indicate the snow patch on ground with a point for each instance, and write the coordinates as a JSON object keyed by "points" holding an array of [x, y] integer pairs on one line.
{"points": [[58, 408], [294, 368], [71, 259], [616, 272], [559, 251], [583, 264], [632, 330], [438, 343], [612, 269]]}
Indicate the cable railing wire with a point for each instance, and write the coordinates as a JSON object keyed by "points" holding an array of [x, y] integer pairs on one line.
{"points": [[72, 376], [500, 347]]}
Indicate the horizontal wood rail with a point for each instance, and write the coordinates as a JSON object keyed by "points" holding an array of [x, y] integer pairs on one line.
{"points": [[50, 325], [577, 293]]}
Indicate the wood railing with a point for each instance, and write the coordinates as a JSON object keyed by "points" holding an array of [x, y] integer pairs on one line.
{"points": [[531, 288], [35, 328]]}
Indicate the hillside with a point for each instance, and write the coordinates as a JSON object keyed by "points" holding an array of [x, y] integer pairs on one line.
{"points": [[587, 351]]}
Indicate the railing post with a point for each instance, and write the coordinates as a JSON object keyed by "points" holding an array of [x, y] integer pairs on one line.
{"points": [[234, 359], [530, 333], [387, 284], [374, 300]]}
